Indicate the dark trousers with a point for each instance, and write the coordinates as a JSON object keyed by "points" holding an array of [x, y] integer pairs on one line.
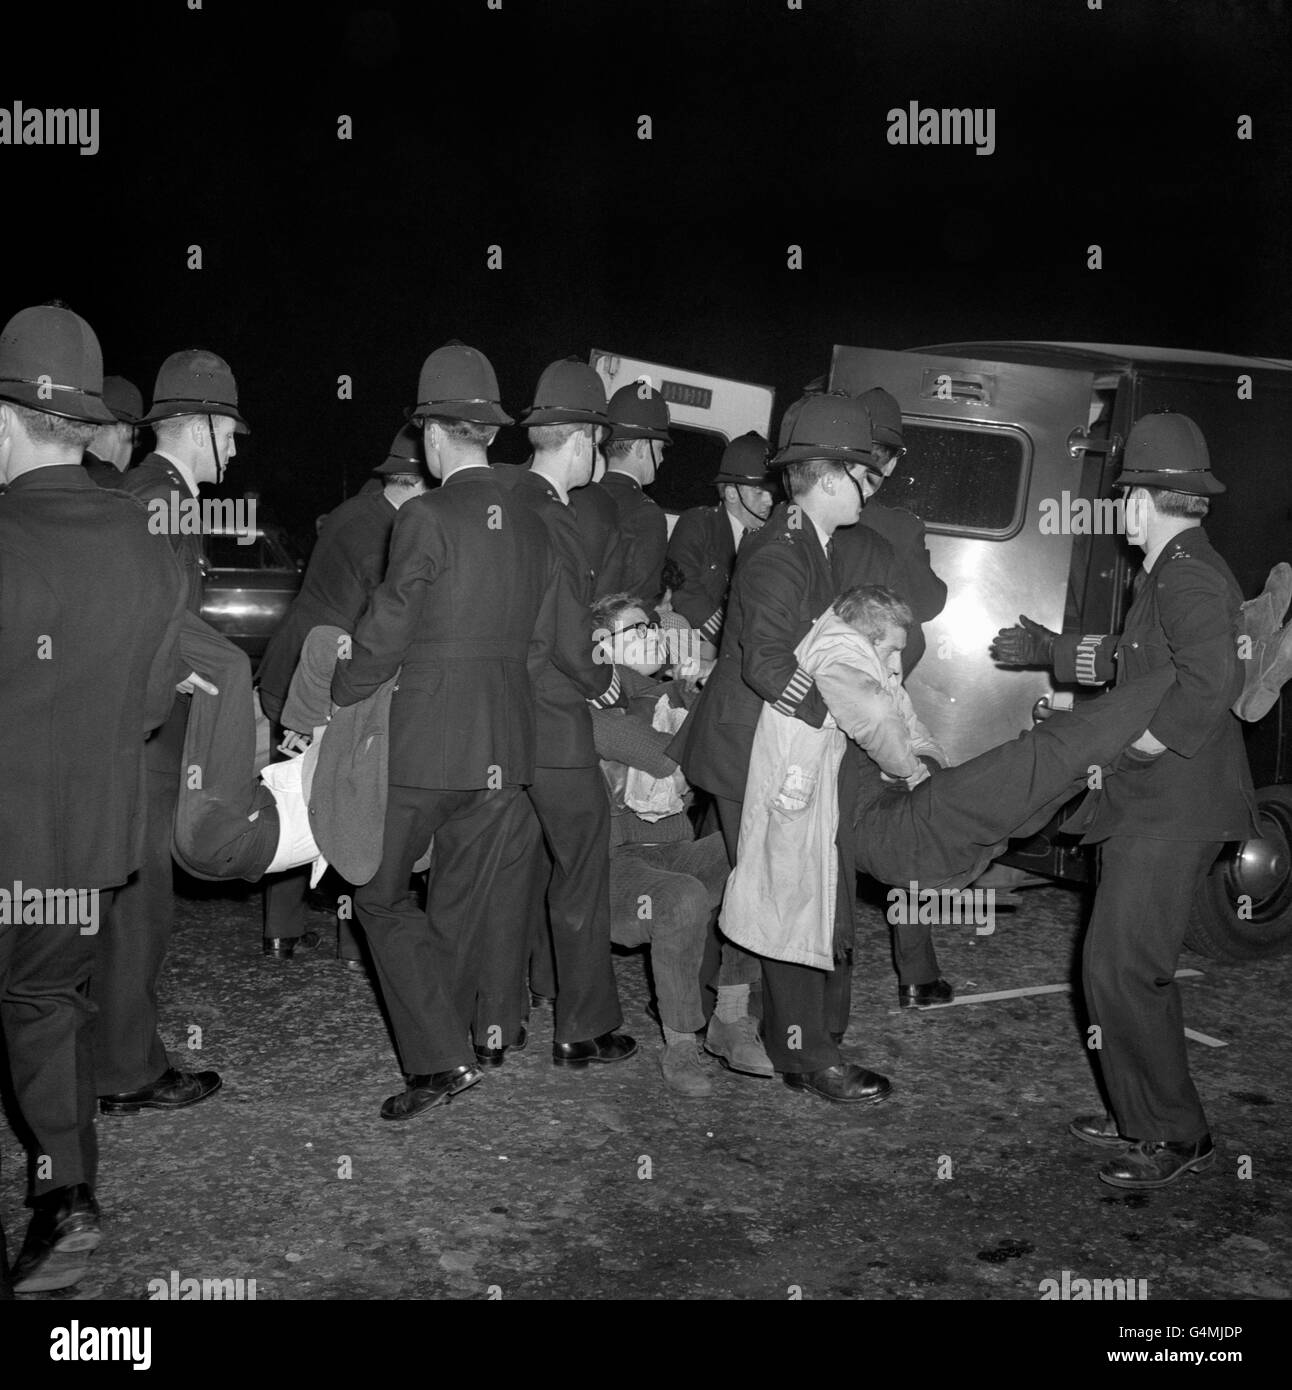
{"points": [[518, 917], [429, 962], [48, 1019], [736, 966], [667, 896], [128, 1050], [1132, 948], [574, 813]]}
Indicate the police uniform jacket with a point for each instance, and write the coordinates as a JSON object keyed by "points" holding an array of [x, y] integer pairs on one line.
{"points": [[83, 676], [703, 549], [1184, 614], [157, 479], [563, 669], [348, 562], [782, 584], [598, 522], [104, 473], [915, 580], [469, 571], [643, 537]]}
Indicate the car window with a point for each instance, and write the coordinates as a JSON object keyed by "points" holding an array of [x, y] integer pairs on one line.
{"points": [[225, 553]]}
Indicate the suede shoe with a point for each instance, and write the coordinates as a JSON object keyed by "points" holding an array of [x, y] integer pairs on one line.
{"points": [[496, 1056], [931, 995], [738, 1047], [63, 1233], [1157, 1163], [1264, 675], [609, 1047], [1101, 1130], [422, 1092], [172, 1090], [683, 1071], [843, 1082]]}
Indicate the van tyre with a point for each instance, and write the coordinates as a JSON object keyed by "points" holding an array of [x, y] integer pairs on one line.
{"points": [[1262, 870]]}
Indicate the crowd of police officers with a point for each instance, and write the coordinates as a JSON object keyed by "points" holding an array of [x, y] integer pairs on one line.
{"points": [[467, 590]]}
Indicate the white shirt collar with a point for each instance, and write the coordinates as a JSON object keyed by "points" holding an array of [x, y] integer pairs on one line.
{"points": [[821, 535], [737, 530], [181, 468]]}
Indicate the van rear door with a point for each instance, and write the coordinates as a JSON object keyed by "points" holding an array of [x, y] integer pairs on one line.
{"points": [[706, 413], [987, 468]]}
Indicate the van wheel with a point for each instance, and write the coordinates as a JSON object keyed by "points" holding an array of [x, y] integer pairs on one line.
{"points": [[1256, 875]]}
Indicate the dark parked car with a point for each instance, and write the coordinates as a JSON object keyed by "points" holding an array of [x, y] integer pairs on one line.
{"points": [[249, 587]]}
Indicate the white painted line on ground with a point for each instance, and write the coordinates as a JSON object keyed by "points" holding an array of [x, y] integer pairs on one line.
{"points": [[1058, 989]]}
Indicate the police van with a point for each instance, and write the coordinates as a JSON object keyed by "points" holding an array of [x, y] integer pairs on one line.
{"points": [[1012, 449]]}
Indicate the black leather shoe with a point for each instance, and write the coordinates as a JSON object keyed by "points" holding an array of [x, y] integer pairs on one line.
{"points": [[1101, 1130], [495, 1056], [844, 1082], [837, 1039], [282, 947], [172, 1090], [424, 1092], [64, 1231], [1157, 1163], [926, 996], [609, 1047]]}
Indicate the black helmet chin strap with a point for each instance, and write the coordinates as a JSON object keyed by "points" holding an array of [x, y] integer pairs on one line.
{"points": [[215, 453]]}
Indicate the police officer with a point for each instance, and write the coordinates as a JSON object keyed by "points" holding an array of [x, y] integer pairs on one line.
{"points": [[113, 446], [567, 794], [469, 573], [194, 416], [638, 436], [887, 548], [1180, 792], [705, 540], [782, 584], [346, 565], [82, 678], [925, 594]]}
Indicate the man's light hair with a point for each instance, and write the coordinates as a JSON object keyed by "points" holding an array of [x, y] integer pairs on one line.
{"points": [[547, 439], [463, 431], [805, 474], [619, 448], [1171, 503], [169, 430], [872, 610], [43, 428], [400, 479]]}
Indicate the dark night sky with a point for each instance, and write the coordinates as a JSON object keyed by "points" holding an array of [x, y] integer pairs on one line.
{"points": [[519, 128]]}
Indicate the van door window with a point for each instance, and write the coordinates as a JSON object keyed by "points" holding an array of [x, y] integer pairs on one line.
{"points": [[691, 463], [966, 479]]}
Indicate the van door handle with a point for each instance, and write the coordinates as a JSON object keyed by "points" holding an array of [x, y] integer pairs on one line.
{"points": [[1080, 442]]}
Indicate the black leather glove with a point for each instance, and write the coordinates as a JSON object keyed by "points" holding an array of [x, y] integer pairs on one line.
{"points": [[1029, 644]]}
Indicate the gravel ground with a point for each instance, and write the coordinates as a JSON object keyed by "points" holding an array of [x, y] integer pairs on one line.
{"points": [[542, 1183]]}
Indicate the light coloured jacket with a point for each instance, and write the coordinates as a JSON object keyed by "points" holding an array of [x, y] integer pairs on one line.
{"points": [[780, 898]]}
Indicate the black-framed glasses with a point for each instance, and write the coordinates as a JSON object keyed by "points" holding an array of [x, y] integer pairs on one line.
{"points": [[645, 627]]}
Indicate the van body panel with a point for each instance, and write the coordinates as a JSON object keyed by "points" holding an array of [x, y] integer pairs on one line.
{"points": [[995, 566]]}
